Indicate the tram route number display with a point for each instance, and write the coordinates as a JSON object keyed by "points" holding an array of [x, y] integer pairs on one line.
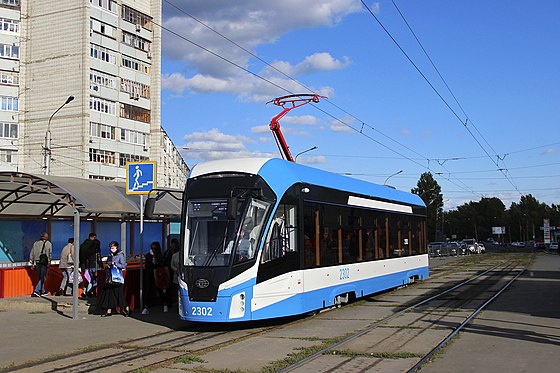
{"points": [[344, 273], [201, 311]]}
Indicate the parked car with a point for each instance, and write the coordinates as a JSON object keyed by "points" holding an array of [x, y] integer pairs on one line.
{"points": [[472, 246], [437, 249], [481, 248], [518, 244], [454, 248], [553, 246]]}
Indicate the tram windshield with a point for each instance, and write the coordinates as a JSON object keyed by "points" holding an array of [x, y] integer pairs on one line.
{"points": [[214, 240]]}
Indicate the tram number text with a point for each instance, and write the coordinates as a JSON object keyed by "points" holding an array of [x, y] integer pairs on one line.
{"points": [[344, 273], [201, 311]]}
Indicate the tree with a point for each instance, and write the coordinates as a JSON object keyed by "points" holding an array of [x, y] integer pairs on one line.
{"points": [[429, 190]]}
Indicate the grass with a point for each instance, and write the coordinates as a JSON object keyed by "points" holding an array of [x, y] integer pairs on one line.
{"points": [[189, 359], [378, 355], [36, 312]]}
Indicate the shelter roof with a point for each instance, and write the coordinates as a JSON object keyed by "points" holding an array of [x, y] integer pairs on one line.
{"points": [[27, 195]]}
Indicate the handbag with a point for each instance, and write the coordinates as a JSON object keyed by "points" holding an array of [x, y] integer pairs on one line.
{"points": [[161, 276], [43, 258], [116, 275], [71, 277]]}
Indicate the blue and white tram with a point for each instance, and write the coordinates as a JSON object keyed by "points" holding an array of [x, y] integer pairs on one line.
{"points": [[265, 238]]}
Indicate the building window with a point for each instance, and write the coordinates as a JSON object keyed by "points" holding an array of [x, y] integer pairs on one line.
{"points": [[9, 78], [135, 41], [9, 25], [108, 5], [101, 156], [14, 3], [134, 64], [125, 158], [133, 137], [9, 130], [134, 16], [6, 155], [103, 131], [103, 54], [99, 177], [135, 113], [102, 105], [102, 28], [9, 104], [135, 89], [9, 51], [101, 79]]}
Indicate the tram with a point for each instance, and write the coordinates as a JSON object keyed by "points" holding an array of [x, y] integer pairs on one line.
{"points": [[267, 238]]}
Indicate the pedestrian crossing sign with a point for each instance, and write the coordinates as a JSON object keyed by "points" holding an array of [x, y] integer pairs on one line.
{"points": [[140, 177]]}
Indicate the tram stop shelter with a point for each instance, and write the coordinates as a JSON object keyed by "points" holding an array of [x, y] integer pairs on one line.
{"points": [[67, 206]]}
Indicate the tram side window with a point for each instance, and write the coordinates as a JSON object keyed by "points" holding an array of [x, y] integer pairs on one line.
{"points": [[282, 235], [330, 229], [310, 232]]}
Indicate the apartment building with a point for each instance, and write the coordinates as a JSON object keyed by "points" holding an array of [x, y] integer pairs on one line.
{"points": [[106, 55]]}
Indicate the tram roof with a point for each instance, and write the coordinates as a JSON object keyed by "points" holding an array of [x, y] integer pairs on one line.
{"points": [[28, 195], [282, 174]]}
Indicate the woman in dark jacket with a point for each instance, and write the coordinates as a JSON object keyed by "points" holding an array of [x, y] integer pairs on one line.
{"points": [[112, 294]]}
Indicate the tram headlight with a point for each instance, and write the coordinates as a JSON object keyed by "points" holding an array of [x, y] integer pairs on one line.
{"points": [[237, 306]]}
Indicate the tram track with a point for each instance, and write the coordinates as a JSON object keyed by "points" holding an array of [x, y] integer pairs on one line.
{"points": [[163, 349], [493, 272]]}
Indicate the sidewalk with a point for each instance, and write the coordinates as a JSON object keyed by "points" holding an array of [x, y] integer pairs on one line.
{"points": [[33, 330], [518, 332]]}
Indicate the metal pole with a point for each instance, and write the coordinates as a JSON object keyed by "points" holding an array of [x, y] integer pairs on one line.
{"points": [[47, 146], [141, 251], [390, 176], [303, 152], [75, 285]]}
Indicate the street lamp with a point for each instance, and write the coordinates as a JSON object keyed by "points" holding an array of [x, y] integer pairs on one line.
{"points": [[47, 146], [305, 151], [390, 176]]}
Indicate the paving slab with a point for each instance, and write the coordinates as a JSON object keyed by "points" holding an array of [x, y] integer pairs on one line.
{"points": [[33, 335], [519, 331], [320, 328], [365, 311], [337, 363], [252, 355], [396, 340], [105, 360]]}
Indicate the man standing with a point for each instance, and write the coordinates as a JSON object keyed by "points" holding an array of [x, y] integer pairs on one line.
{"points": [[40, 258], [66, 268], [90, 260]]}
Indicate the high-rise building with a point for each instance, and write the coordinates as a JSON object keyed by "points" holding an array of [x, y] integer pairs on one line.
{"points": [[106, 54]]}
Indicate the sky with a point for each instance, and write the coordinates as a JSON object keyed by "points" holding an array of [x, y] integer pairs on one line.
{"points": [[466, 90]]}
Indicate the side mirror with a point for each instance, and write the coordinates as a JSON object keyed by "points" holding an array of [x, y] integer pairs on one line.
{"points": [[231, 213], [149, 208]]}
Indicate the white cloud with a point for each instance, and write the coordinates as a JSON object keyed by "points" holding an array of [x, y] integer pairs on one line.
{"points": [[249, 23], [550, 151], [301, 119], [260, 129], [214, 144], [343, 125], [322, 61], [309, 159]]}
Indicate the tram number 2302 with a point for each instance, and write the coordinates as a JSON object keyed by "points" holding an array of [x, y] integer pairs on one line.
{"points": [[201, 311], [344, 273]]}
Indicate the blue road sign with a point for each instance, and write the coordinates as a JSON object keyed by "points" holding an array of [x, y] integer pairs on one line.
{"points": [[140, 177]]}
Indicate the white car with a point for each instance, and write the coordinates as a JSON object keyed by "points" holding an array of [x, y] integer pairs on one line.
{"points": [[481, 248], [553, 246]]}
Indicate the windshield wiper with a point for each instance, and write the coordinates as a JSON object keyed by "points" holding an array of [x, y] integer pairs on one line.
{"points": [[215, 251]]}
